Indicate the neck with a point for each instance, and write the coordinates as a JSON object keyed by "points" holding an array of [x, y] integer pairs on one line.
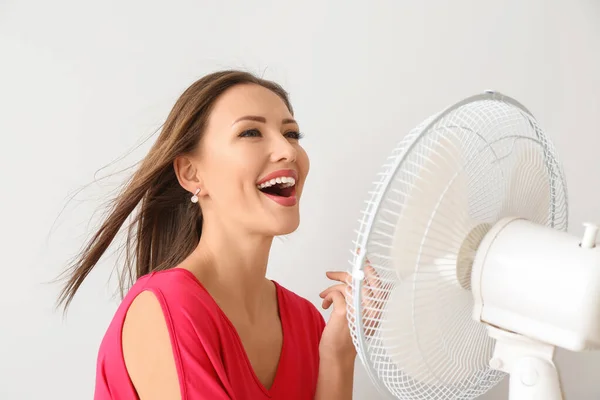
{"points": [[233, 265]]}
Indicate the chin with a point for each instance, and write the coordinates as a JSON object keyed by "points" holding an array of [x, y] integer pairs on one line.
{"points": [[287, 227], [286, 230], [283, 226]]}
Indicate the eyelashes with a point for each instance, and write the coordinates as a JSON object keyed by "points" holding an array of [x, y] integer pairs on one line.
{"points": [[256, 133], [250, 133], [295, 135]]}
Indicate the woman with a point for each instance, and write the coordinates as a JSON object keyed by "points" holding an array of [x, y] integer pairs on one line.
{"points": [[201, 321]]}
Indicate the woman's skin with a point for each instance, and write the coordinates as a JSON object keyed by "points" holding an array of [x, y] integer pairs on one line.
{"points": [[250, 133]]}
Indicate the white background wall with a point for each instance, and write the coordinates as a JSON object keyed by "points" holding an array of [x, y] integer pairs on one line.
{"points": [[82, 83]]}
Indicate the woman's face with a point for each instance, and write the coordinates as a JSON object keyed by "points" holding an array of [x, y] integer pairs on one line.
{"points": [[251, 165]]}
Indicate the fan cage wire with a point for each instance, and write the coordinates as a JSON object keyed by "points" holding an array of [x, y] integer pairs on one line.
{"points": [[491, 113]]}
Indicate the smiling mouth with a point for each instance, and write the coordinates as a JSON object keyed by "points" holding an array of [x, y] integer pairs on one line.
{"points": [[282, 187]]}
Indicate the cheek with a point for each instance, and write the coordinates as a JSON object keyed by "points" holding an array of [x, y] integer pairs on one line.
{"points": [[223, 174], [235, 175], [303, 162]]}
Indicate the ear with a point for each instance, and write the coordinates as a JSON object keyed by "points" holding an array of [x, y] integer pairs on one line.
{"points": [[187, 173]]}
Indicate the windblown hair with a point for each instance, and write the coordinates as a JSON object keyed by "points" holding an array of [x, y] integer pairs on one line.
{"points": [[165, 225]]}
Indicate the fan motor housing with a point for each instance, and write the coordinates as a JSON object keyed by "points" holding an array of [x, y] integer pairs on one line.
{"points": [[538, 282]]}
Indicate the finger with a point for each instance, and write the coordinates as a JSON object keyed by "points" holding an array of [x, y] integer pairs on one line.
{"points": [[372, 276], [340, 286], [376, 286], [337, 299], [328, 300], [368, 294], [371, 281], [340, 276]]}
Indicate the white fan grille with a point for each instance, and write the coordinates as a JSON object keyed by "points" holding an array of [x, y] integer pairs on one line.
{"points": [[450, 178]]}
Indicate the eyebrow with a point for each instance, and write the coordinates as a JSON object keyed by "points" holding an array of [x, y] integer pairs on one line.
{"points": [[262, 119]]}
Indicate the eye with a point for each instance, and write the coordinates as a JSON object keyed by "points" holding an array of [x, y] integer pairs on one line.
{"points": [[250, 133], [294, 135]]}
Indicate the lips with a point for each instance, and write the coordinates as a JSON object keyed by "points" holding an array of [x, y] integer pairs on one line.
{"points": [[280, 186]]}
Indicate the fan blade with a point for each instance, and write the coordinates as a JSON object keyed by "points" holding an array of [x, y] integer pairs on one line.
{"points": [[427, 339], [435, 218], [528, 189]]}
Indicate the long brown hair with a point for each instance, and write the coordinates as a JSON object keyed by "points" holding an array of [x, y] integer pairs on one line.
{"points": [[167, 225]]}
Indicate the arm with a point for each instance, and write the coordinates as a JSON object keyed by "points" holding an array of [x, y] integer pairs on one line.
{"points": [[336, 351], [336, 378], [152, 354]]}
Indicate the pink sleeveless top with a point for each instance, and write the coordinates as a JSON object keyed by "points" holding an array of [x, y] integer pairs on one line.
{"points": [[210, 359]]}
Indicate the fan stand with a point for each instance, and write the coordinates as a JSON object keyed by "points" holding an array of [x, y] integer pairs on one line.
{"points": [[533, 375]]}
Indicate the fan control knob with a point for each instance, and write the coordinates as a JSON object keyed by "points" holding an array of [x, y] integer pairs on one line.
{"points": [[589, 235], [529, 377], [496, 363]]}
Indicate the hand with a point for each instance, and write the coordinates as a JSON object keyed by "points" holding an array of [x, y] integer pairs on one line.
{"points": [[336, 338]]}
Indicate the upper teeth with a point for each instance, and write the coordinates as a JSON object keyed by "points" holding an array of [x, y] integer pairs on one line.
{"points": [[284, 181]]}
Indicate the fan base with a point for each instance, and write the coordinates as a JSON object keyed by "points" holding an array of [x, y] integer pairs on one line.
{"points": [[530, 365]]}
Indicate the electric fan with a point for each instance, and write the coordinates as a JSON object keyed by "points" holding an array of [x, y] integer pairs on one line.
{"points": [[463, 271]]}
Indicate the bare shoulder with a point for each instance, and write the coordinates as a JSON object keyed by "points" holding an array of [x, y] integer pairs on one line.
{"points": [[147, 350]]}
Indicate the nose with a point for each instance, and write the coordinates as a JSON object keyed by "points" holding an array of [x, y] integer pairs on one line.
{"points": [[282, 150]]}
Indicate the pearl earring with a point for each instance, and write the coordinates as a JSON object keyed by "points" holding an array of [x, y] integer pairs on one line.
{"points": [[195, 196]]}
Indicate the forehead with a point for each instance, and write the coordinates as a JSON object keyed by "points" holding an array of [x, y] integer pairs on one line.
{"points": [[247, 99]]}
